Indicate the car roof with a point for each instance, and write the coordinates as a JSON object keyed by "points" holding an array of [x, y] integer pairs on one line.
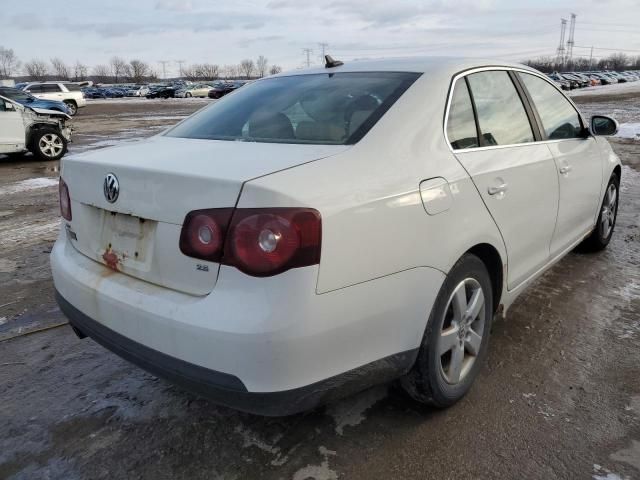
{"points": [[436, 65]]}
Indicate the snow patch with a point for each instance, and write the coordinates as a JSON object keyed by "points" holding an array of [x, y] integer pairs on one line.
{"points": [[251, 439], [629, 130], [318, 472], [29, 184], [350, 412]]}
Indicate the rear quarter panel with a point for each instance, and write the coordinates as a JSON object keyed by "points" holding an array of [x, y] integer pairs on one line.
{"points": [[373, 220]]}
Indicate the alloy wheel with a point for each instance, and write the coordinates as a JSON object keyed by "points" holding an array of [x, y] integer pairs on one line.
{"points": [[463, 328], [51, 145], [608, 212]]}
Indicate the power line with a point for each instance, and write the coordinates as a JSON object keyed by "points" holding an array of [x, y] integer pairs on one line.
{"points": [[611, 49]]}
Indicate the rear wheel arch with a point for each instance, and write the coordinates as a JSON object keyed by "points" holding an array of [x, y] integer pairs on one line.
{"points": [[618, 171], [490, 256]]}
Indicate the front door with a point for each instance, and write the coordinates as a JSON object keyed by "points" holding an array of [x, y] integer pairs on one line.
{"points": [[12, 137], [577, 161]]}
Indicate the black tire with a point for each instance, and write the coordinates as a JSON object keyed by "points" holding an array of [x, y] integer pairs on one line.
{"points": [[71, 105], [187, 95], [39, 140], [427, 381], [600, 237]]}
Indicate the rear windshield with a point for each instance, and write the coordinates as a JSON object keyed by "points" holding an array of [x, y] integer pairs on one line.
{"points": [[327, 109]]}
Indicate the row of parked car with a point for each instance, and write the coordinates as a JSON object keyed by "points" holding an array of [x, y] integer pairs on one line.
{"points": [[174, 90], [571, 80]]}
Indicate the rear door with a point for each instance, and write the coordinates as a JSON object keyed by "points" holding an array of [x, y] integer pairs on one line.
{"points": [[515, 176], [577, 159]]}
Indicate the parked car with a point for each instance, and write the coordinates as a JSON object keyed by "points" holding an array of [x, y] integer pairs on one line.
{"points": [[289, 244], [194, 90], [561, 82], [25, 128], [69, 93], [138, 91], [24, 98], [220, 89], [161, 92]]}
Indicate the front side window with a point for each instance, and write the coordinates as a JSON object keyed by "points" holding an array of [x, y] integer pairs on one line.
{"points": [[461, 124], [35, 89], [501, 115], [559, 119], [326, 108]]}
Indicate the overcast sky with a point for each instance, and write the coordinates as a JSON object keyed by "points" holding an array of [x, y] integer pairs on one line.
{"points": [[227, 31]]}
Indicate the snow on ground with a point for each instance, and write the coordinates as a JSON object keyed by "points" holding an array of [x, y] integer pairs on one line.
{"points": [[629, 130], [29, 184], [131, 100], [618, 88]]}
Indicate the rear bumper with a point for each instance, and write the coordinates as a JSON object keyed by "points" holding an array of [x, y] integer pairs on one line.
{"points": [[229, 390], [265, 345]]}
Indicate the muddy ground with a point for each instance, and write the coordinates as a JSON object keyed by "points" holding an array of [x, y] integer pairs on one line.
{"points": [[559, 396]]}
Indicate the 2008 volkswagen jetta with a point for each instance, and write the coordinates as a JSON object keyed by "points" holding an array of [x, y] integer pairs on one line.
{"points": [[320, 231]]}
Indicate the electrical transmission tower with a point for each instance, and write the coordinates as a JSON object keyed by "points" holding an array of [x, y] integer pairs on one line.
{"points": [[560, 51], [307, 52], [180, 62], [323, 47], [164, 67], [570, 42]]}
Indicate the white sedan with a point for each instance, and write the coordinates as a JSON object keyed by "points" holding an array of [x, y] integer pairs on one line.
{"points": [[321, 231]]}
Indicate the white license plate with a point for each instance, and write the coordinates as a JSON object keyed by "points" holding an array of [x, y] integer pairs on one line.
{"points": [[127, 237]]}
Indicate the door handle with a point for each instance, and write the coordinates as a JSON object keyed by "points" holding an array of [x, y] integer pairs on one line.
{"points": [[499, 189], [565, 169]]}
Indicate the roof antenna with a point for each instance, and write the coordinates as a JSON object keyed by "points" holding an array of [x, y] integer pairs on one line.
{"points": [[330, 62]]}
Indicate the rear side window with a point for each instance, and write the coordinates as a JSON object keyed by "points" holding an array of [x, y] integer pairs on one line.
{"points": [[50, 88], [325, 109], [35, 89], [559, 119], [501, 115], [72, 87], [461, 125]]}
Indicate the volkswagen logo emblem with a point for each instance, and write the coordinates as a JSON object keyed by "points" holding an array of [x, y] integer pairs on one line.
{"points": [[111, 188]]}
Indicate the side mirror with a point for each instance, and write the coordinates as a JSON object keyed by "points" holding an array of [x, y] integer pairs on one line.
{"points": [[601, 125]]}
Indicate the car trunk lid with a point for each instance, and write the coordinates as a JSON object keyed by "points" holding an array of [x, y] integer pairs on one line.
{"points": [[160, 180]]}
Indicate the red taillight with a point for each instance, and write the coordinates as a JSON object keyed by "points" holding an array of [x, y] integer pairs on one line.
{"points": [[258, 241], [203, 233], [65, 200]]}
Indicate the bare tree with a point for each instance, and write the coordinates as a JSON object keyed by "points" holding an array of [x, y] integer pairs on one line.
{"points": [[618, 61], [36, 69], [101, 73], [118, 68], [80, 71], [247, 67], [207, 71], [261, 66], [8, 62], [275, 69], [60, 69], [230, 71], [189, 72], [138, 70]]}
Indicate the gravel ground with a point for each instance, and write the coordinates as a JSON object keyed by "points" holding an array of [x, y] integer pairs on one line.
{"points": [[558, 398]]}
